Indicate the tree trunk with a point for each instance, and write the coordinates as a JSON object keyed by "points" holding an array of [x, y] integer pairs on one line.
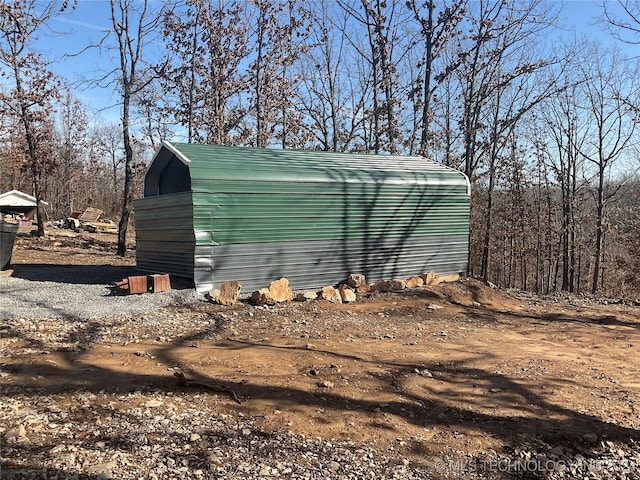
{"points": [[599, 231], [123, 225]]}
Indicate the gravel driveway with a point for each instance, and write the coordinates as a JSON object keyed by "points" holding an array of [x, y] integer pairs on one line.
{"points": [[80, 293]]}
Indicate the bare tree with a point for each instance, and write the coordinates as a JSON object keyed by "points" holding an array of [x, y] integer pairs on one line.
{"points": [[381, 21], [499, 28], [328, 101], [622, 18], [72, 126], [106, 153], [206, 43], [435, 34], [497, 58], [133, 25], [279, 31], [34, 87], [608, 84]]}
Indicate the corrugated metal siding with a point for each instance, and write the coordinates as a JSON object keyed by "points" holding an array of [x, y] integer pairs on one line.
{"points": [[165, 240], [267, 216], [314, 264], [315, 217]]}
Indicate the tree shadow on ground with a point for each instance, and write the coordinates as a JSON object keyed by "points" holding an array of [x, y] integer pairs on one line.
{"points": [[422, 401], [425, 406]]}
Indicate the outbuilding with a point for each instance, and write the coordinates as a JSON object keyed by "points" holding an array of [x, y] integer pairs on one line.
{"points": [[214, 213], [18, 204]]}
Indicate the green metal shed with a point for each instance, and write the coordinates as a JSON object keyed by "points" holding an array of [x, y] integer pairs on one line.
{"points": [[215, 213]]}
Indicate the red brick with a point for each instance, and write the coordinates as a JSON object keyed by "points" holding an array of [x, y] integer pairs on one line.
{"points": [[159, 283], [137, 284]]}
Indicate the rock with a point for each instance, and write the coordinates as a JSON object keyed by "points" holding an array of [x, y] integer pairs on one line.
{"points": [[16, 435], [331, 294], [590, 437], [306, 296], [229, 292], [280, 291], [430, 278], [194, 437], [381, 287], [451, 277], [153, 403], [214, 296], [6, 273], [414, 282], [334, 466], [102, 469], [364, 288], [397, 284], [57, 449], [325, 384], [433, 306], [356, 280], [346, 294], [262, 297], [558, 451]]}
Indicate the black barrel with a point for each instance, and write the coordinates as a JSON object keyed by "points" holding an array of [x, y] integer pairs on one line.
{"points": [[7, 237]]}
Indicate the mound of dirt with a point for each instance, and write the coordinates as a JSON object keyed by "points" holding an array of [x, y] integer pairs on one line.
{"points": [[472, 292]]}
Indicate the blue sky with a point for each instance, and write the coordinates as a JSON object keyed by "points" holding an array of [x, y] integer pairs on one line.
{"points": [[89, 21]]}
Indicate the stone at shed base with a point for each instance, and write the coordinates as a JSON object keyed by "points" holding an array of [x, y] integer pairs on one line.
{"points": [[397, 284], [381, 287], [451, 277], [414, 282], [279, 290], [430, 278], [229, 292], [306, 296], [356, 280], [347, 294], [331, 294], [214, 296], [364, 288], [262, 297]]}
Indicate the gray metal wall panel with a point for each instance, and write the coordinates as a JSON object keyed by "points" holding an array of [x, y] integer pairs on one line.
{"points": [[203, 272], [314, 264], [165, 241]]}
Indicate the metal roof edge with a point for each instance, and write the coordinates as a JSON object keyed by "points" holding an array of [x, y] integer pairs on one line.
{"points": [[175, 151], [165, 144], [28, 200], [466, 179]]}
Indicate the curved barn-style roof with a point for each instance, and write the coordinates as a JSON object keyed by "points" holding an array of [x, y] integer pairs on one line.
{"points": [[182, 167]]}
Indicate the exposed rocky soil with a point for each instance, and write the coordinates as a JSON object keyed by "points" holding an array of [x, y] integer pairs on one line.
{"points": [[454, 381]]}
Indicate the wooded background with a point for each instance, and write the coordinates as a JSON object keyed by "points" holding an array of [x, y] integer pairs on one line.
{"points": [[545, 128]]}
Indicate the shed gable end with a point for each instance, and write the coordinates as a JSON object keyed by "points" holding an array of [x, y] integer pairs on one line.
{"points": [[166, 175]]}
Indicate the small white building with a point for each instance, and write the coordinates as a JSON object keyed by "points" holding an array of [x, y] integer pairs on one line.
{"points": [[18, 204]]}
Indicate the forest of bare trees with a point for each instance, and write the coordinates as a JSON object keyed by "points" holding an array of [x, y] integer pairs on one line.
{"points": [[546, 126]]}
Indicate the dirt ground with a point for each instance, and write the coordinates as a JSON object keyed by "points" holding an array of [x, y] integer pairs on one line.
{"points": [[456, 369]]}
